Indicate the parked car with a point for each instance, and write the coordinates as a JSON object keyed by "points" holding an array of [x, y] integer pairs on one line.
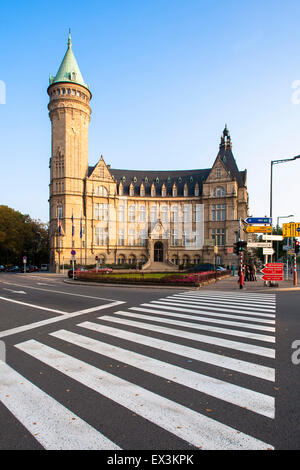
{"points": [[76, 271], [2, 268], [13, 269], [44, 267], [201, 268], [102, 270], [220, 268]]}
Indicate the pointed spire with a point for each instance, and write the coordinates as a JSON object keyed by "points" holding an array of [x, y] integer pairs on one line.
{"points": [[225, 139], [69, 40], [69, 70]]}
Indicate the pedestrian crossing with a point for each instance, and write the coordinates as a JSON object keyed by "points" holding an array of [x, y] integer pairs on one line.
{"points": [[160, 362]]}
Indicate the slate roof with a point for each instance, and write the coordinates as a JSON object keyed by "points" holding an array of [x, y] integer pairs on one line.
{"points": [[158, 178]]}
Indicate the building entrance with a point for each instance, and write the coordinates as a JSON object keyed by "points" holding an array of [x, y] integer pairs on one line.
{"points": [[158, 252]]}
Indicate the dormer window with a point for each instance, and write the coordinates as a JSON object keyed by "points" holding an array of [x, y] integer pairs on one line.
{"points": [[121, 189], [163, 191], [73, 76], [131, 190], [185, 190], [142, 190], [174, 191], [153, 192], [197, 192]]}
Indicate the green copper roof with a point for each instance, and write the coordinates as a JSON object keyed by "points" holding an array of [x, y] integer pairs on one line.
{"points": [[68, 70]]}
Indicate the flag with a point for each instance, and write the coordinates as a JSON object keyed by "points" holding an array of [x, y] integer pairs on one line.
{"points": [[72, 225], [59, 225]]}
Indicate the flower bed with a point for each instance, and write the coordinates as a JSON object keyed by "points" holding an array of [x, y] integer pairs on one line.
{"points": [[171, 279]]}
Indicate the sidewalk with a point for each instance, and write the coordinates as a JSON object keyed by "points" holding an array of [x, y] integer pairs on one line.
{"points": [[231, 283]]}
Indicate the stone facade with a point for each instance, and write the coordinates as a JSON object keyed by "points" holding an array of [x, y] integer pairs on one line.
{"points": [[131, 216]]}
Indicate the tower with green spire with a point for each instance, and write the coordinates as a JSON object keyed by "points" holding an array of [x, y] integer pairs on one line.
{"points": [[69, 112]]}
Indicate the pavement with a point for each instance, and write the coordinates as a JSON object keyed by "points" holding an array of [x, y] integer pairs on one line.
{"points": [[231, 283]]}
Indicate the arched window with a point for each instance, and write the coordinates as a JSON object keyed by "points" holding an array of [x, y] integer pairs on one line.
{"points": [[142, 190], [174, 190], [185, 190], [219, 192], [153, 192], [59, 211], [121, 259], [163, 190], [101, 191]]}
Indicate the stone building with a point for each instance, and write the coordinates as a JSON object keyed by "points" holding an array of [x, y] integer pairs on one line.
{"points": [[134, 216]]}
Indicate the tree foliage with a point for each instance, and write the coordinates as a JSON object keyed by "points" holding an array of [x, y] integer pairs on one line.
{"points": [[22, 236]]}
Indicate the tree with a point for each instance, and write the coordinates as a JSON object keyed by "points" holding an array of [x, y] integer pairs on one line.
{"points": [[20, 235]]}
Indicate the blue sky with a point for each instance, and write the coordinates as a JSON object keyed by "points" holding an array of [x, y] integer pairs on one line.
{"points": [[166, 75]]}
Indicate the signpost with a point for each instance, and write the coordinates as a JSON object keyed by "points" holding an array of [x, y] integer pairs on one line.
{"points": [[259, 244], [272, 272], [73, 253], [272, 237], [258, 220], [291, 230], [258, 229], [268, 251]]}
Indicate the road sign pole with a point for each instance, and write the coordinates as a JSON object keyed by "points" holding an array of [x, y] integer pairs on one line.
{"points": [[241, 277], [295, 269]]}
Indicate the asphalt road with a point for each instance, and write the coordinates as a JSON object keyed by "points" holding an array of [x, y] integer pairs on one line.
{"points": [[123, 368]]}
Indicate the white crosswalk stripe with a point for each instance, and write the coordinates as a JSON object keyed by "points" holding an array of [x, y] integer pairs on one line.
{"points": [[155, 408], [158, 339], [219, 360], [31, 406]]}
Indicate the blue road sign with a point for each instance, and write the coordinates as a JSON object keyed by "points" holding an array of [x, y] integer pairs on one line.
{"points": [[258, 220]]}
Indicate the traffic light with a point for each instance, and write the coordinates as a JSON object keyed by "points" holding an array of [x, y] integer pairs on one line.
{"points": [[239, 247], [297, 246]]}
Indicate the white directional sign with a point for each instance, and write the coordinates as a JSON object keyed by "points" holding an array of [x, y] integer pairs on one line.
{"points": [[272, 237], [259, 245], [268, 251]]}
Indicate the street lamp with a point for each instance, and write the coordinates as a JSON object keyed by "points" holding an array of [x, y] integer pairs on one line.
{"points": [[280, 217]]}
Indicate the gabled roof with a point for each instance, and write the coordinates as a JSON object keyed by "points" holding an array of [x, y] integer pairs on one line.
{"points": [[69, 70]]}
